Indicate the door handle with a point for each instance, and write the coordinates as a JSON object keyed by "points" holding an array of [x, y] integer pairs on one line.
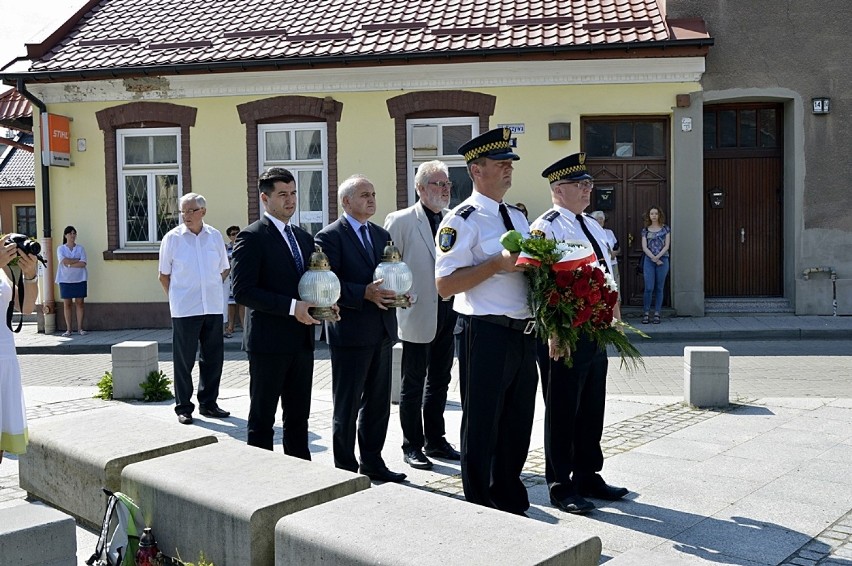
{"points": [[629, 240], [742, 235]]}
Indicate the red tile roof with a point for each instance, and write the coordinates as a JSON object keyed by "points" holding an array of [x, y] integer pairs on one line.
{"points": [[13, 106], [138, 33]]}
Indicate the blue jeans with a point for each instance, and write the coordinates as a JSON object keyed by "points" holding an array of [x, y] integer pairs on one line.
{"points": [[655, 282]]}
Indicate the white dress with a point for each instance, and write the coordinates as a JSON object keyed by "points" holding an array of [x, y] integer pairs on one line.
{"points": [[13, 411]]}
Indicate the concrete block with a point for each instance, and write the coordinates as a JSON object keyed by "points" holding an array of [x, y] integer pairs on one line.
{"points": [[225, 499], [33, 534], [393, 524], [706, 376], [396, 373], [132, 361], [70, 458]]}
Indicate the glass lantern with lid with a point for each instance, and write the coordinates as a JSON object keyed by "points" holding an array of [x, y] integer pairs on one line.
{"points": [[396, 275], [320, 286]]}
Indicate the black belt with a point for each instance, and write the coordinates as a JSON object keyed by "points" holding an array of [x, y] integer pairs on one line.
{"points": [[525, 325]]}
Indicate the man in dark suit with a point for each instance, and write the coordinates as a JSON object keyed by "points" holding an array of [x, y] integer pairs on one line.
{"points": [[361, 341], [270, 256]]}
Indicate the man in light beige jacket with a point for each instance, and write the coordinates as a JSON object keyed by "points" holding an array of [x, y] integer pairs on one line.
{"points": [[425, 328]]}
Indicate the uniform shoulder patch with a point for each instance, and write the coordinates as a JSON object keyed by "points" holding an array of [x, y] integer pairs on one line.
{"points": [[447, 238], [537, 234], [551, 216], [465, 211]]}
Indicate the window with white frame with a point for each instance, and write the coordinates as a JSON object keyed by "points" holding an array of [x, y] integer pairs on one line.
{"points": [[149, 180], [25, 219], [301, 148], [440, 138]]}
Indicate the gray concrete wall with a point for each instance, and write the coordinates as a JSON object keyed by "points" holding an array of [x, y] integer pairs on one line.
{"points": [[792, 51]]}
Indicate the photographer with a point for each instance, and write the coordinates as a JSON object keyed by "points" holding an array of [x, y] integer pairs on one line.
{"points": [[13, 416]]}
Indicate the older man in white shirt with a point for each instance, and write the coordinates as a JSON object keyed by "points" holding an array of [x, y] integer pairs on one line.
{"points": [[193, 264]]}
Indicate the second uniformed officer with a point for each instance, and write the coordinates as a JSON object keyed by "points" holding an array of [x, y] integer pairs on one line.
{"points": [[575, 396], [497, 354]]}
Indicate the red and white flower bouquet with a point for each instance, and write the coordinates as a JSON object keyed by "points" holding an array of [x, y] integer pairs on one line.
{"points": [[571, 294]]}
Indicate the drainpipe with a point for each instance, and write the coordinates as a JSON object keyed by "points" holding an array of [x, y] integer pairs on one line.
{"points": [[48, 303], [806, 274]]}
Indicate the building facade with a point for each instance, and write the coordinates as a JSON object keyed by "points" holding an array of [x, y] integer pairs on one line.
{"points": [[664, 110]]}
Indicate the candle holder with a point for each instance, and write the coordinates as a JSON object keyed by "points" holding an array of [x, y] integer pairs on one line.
{"points": [[396, 274], [320, 286]]}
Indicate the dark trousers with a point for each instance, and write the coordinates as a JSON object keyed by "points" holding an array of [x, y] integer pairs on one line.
{"points": [[429, 363], [498, 407], [286, 378], [360, 386], [575, 398], [188, 333]]}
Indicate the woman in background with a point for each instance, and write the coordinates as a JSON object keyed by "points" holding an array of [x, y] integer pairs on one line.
{"points": [[234, 309], [13, 411], [72, 278], [656, 240]]}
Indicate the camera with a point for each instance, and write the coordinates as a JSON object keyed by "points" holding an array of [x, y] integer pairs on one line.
{"points": [[24, 243]]}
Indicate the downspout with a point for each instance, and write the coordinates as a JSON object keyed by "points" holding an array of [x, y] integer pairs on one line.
{"points": [[48, 303]]}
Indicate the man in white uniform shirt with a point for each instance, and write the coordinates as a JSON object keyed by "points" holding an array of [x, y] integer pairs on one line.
{"points": [[193, 265], [497, 353], [575, 396]]}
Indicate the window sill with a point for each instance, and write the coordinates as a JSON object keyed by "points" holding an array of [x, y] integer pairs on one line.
{"points": [[123, 254]]}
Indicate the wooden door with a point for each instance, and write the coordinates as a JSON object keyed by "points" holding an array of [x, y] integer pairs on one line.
{"points": [[635, 179], [743, 206]]}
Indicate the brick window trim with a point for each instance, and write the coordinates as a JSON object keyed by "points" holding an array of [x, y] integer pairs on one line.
{"points": [[290, 109], [432, 104], [138, 115]]}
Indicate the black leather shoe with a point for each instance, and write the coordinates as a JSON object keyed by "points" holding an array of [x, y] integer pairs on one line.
{"points": [[383, 474], [443, 450], [185, 419], [416, 459], [573, 504], [597, 488], [214, 412]]}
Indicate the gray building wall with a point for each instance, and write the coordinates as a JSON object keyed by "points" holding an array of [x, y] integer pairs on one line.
{"points": [[788, 51]]}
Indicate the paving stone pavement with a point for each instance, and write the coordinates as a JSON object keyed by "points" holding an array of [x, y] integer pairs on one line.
{"points": [[765, 481]]}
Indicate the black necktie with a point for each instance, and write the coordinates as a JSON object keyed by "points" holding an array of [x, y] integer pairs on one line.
{"points": [[294, 248], [507, 220], [365, 239], [594, 242], [435, 221]]}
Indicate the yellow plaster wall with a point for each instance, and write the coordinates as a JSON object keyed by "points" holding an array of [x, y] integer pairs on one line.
{"points": [[366, 144]]}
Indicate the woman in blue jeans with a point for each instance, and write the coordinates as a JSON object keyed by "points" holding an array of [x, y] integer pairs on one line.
{"points": [[656, 240]]}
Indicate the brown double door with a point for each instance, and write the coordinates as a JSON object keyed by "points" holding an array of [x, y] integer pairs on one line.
{"points": [[743, 204], [631, 172]]}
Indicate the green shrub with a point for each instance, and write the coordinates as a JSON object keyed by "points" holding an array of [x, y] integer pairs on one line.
{"points": [[157, 387], [105, 387]]}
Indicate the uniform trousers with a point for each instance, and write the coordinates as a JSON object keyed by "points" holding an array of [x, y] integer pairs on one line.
{"points": [[574, 414], [498, 406], [421, 413], [287, 378], [360, 387], [188, 333]]}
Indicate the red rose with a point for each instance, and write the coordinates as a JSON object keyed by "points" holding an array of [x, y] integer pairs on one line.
{"points": [[598, 276], [581, 316], [581, 287], [610, 297], [553, 299], [564, 279], [595, 297]]}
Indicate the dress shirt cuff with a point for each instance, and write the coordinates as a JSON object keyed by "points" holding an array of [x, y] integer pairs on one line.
{"points": [[292, 307]]}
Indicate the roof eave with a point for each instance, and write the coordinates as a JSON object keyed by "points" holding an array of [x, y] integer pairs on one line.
{"points": [[700, 46]]}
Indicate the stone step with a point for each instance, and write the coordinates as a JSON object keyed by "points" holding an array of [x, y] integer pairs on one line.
{"points": [[747, 305]]}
